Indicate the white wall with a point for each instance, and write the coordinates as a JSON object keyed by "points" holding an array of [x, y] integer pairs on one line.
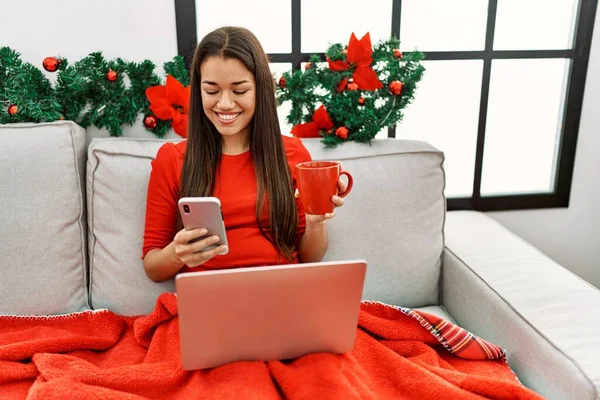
{"points": [[139, 29], [571, 236]]}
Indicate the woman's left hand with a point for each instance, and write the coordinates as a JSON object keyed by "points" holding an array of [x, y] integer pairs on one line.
{"points": [[336, 200]]}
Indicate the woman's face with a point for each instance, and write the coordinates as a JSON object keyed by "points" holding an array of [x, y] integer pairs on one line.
{"points": [[228, 95]]}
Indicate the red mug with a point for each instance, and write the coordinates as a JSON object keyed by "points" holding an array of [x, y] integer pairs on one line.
{"points": [[318, 183]]}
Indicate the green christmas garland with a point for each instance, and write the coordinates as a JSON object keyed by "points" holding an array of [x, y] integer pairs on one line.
{"points": [[351, 95], [354, 93], [93, 91]]}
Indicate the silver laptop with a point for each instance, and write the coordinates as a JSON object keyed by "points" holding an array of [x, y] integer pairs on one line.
{"points": [[268, 313]]}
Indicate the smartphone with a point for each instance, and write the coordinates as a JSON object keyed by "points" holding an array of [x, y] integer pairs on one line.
{"points": [[204, 212]]}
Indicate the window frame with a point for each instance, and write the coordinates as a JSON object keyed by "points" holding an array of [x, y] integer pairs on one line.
{"points": [[185, 16]]}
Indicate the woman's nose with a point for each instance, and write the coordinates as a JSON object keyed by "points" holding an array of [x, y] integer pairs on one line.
{"points": [[226, 102]]}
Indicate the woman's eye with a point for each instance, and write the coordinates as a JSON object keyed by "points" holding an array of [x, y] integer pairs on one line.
{"points": [[211, 93], [239, 92]]}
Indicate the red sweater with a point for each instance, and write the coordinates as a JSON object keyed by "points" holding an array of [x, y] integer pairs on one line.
{"points": [[236, 189]]}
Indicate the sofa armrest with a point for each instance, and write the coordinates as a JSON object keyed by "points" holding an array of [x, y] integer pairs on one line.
{"points": [[501, 288]]}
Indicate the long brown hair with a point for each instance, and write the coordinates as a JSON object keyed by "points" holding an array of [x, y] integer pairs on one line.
{"points": [[204, 142]]}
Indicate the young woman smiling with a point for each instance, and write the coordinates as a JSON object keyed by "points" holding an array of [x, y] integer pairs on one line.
{"points": [[234, 151]]}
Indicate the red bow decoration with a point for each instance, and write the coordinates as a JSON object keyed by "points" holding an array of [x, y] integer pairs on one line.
{"points": [[320, 121], [171, 101], [359, 55]]}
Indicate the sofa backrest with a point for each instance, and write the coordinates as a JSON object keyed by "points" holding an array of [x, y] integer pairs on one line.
{"points": [[42, 218], [393, 219]]}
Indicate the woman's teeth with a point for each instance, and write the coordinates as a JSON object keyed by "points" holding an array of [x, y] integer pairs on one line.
{"points": [[228, 117]]}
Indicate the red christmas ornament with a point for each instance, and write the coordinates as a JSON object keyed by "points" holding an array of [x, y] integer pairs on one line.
{"points": [[51, 64], [308, 65], [150, 121], [398, 53], [342, 132], [282, 82], [361, 101], [13, 109], [396, 87], [352, 86], [111, 75]]}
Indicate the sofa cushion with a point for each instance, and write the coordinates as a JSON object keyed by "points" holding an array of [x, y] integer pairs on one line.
{"points": [[42, 219], [393, 218], [117, 182]]}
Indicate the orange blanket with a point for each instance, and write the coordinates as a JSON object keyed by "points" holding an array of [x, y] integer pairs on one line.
{"points": [[398, 353]]}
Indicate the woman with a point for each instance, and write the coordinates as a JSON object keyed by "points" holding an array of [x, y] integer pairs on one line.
{"points": [[234, 151]]}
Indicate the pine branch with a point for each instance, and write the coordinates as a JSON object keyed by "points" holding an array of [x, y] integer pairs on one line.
{"points": [[24, 86], [177, 69]]}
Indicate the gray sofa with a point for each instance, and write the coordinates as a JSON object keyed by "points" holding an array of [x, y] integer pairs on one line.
{"points": [[72, 219]]}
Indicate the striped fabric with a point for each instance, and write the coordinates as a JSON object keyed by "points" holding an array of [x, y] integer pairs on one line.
{"points": [[455, 339]]}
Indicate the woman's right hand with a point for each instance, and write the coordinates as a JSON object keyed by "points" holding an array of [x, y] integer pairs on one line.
{"points": [[193, 254]]}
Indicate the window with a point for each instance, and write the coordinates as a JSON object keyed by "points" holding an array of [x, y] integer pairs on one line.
{"points": [[453, 89], [505, 80]]}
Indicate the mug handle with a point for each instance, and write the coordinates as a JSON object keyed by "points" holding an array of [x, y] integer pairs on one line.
{"points": [[350, 182]]}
